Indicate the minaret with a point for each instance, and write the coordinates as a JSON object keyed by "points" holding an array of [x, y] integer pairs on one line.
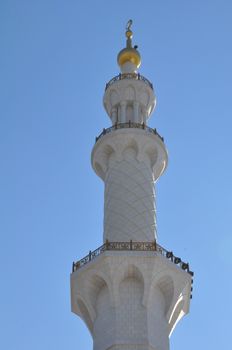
{"points": [[130, 292]]}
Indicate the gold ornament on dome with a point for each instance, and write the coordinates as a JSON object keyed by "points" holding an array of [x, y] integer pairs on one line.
{"points": [[129, 54]]}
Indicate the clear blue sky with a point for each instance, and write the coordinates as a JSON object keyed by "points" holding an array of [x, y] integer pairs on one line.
{"points": [[56, 57]]}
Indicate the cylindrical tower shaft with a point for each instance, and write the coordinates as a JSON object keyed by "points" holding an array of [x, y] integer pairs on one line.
{"points": [[129, 158], [129, 209]]}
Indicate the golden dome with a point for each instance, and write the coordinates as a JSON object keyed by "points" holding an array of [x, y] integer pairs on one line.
{"points": [[129, 54]]}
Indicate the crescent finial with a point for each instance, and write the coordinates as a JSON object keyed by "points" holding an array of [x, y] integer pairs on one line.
{"points": [[129, 24]]}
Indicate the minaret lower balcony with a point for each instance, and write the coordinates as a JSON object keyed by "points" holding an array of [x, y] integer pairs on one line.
{"points": [[133, 247], [129, 125]]}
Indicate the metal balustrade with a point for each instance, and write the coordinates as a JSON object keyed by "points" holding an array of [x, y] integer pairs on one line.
{"points": [[132, 246], [129, 125], [135, 76]]}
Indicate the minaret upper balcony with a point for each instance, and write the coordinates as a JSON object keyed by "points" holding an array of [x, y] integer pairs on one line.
{"points": [[134, 76], [129, 97]]}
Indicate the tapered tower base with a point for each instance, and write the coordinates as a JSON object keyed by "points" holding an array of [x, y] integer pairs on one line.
{"points": [[130, 299]]}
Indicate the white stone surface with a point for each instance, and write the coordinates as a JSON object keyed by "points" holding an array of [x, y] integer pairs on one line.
{"points": [[129, 67], [130, 300], [129, 161]]}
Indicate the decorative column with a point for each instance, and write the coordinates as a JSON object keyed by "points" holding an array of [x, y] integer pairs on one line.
{"points": [[136, 111], [130, 292], [123, 105], [114, 115]]}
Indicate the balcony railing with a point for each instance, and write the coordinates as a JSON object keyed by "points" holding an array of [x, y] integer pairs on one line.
{"points": [[132, 246], [129, 125], [134, 76]]}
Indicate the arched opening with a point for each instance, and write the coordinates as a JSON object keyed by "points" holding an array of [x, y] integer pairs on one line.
{"points": [[131, 149], [131, 310], [166, 286], [129, 93]]}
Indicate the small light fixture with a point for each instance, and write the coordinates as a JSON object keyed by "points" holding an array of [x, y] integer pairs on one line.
{"points": [[169, 255], [177, 260], [185, 266]]}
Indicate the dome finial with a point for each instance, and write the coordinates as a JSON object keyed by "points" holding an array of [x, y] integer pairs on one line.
{"points": [[129, 58], [129, 34], [129, 24]]}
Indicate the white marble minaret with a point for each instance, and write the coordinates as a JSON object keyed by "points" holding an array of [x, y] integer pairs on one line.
{"points": [[130, 292]]}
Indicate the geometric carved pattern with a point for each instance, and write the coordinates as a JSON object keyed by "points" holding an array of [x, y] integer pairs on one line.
{"points": [[129, 161], [129, 200]]}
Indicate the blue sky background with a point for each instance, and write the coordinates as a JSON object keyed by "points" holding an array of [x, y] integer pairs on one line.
{"points": [[56, 57]]}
